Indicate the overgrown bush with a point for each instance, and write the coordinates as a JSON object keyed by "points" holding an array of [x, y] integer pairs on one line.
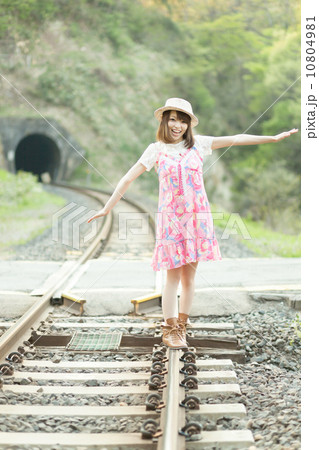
{"points": [[270, 195], [17, 189], [16, 16]]}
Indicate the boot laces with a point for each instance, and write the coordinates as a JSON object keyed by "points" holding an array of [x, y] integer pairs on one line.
{"points": [[175, 331]]}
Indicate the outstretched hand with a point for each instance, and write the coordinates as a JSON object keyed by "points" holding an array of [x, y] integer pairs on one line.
{"points": [[285, 134], [100, 213]]}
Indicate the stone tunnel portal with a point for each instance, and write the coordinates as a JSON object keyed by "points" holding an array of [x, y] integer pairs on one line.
{"points": [[38, 153]]}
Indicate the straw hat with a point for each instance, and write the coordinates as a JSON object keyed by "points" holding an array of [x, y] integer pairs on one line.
{"points": [[177, 104]]}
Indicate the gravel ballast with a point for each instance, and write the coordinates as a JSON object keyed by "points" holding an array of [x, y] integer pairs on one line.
{"points": [[269, 382]]}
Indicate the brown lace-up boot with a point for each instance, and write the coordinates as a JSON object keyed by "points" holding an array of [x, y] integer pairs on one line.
{"points": [[172, 334], [182, 322]]}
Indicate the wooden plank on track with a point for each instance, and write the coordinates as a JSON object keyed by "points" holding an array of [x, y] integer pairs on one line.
{"points": [[77, 440]]}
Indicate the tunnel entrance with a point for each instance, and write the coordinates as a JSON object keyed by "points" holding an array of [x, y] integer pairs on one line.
{"points": [[38, 154]]}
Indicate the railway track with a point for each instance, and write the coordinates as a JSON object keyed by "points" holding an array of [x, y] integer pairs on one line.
{"points": [[156, 379], [109, 383]]}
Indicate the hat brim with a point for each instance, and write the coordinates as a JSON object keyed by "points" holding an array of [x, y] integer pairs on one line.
{"points": [[159, 114]]}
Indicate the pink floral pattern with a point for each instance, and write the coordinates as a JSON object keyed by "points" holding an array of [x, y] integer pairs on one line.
{"points": [[185, 231]]}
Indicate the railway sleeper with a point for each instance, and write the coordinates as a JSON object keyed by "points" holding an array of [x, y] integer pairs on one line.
{"points": [[215, 411], [212, 364], [229, 439], [194, 438], [203, 391], [215, 376]]}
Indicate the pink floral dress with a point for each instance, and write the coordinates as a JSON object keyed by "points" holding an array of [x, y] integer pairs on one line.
{"points": [[185, 231]]}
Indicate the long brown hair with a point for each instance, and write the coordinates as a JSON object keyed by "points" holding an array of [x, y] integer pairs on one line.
{"points": [[163, 130]]}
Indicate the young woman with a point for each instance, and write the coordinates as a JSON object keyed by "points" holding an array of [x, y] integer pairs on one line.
{"points": [[185, 232]]}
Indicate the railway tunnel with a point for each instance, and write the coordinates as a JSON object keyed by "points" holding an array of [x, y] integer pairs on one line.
{"points": [[38, 146], [38, 154]]}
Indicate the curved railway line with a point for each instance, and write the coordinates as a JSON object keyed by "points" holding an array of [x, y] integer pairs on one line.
{"points": [[48, 356]]}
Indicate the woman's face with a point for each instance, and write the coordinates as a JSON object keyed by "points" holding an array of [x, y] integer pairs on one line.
{"points": [[177, 127]]}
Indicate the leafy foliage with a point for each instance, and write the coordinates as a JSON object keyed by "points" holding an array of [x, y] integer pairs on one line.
{"points": [[24, 201], [270, 195], [22, 190], [17, 16], [17, 188], [110, 63], [262, 240]]}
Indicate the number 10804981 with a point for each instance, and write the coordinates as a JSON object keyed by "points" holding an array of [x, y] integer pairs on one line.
{"points": [[310, 47]]}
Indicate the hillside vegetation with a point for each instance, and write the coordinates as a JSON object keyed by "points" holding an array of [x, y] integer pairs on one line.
{"points": [[101, 67], [22, 199]]}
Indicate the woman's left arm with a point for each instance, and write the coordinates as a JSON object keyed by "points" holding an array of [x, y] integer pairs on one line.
{"points": [[249, 139]]}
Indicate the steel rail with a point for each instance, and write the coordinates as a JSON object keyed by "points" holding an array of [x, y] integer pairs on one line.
{"points": [[33, 316], [36, 313], [136, 204], [173, 415], [140, 207]]}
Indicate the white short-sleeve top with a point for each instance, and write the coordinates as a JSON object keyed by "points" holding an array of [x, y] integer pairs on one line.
{"points": [[149, 157]]}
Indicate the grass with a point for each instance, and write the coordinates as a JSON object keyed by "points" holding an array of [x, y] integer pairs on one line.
{"points": [[256, 235], [25, 208]]}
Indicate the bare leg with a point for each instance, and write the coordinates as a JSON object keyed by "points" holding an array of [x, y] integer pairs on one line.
{"points": [[169, 297], [188, 287]]}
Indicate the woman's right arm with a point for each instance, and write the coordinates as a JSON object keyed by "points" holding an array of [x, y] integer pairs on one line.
{"points": [[122, 186]]}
